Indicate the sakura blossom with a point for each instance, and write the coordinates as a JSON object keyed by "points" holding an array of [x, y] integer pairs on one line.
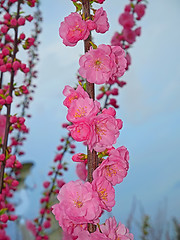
{"points": [[101, 64], [105, 191], [78, 202], [115, 167], [81, 109], [112, 231], [104, 131], [73, 29], [101, 21], [72, 94]]}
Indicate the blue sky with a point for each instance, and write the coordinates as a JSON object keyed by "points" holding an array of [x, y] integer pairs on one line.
{"points": [[149, 106]]}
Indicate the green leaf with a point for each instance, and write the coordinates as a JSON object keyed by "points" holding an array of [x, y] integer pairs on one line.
{"points": [[93, 45], [78, 6], [3, 210]]}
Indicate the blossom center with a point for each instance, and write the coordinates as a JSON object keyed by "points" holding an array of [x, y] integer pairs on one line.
{"points": [[78, 204], [80, 112], [110, 171], [100, 130], [103, 194], [97, 64]]}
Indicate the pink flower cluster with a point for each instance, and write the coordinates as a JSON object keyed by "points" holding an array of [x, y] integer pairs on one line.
{"points": [[81, 203], [102, 64], [132, 12], [98, 130], [74, 28]]}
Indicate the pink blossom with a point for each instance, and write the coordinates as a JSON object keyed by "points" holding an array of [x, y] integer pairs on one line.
{"points": [[4, 29], [81, 109], [46, 184], [21, 21], [13, 22], [111, 230], [79, 157], [78, 202], [47, 224], [139, 9], [81, 171], [73, 29], [72, 94], [96, 65], [91, 25], [80, 131], [67, 236], [30, 226], [99, 1], [129, 35], [138, 31], [123, 232], [105, 191], [128, 58], [101, 21], [120, 61], [70, 227], [2, 126], [115, 167], [126, 19], [3, 235], [104, 132], [60, 183], [85, 235], [116, 39], [101, 64]]}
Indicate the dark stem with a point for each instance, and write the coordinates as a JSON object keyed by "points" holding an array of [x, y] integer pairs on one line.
{"points": [[4, 147], [91, 156]]}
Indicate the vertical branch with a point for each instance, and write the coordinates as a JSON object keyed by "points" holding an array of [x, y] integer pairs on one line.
{"points": [[4, 147], [91, 156]]}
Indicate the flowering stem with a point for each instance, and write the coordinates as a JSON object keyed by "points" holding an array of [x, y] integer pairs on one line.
{"points": [[91, 156], [51, 191], [4, 148]]}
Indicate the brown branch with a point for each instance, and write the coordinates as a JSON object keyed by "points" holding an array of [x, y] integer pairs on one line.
{"points": [[91, 156], [4, 147]]}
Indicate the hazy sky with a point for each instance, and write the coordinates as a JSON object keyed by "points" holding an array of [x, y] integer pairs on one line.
{"points": [[149, 106]]}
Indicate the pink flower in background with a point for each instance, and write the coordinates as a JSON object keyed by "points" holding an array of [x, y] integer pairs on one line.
{"points": [[78, 202], [116, 39], [112, 231], [101, 21], [72, 94], [73, 29], [99, 1], [81, 171], [120, 61], [104, 132], [129, 35], [81, 109], [2, 126], [126, 19], [109, 228], [30, 226], [139, 9], [105, 191], [123, 232], [115, 167], [138, 31]]}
